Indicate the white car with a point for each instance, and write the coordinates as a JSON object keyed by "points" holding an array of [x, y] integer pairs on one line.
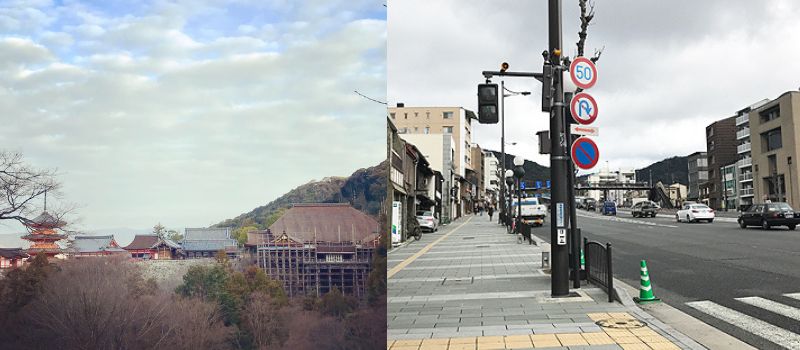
{"points": [[427, 221], [694, 213]]}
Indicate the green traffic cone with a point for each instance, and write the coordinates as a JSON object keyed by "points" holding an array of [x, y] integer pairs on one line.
{"points": [[645, 289]]}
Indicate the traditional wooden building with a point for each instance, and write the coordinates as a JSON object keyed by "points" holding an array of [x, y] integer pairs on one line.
{"points": [[83, 246], [316, 247], [43, 235], [12, 257], [153, 247], [206, 242]]}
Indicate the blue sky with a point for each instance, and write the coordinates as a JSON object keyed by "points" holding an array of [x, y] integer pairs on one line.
{"points": [[190, 112]]}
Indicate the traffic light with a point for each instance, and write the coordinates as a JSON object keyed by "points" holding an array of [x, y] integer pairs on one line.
{"points": [[547, 88], [487, 104]]}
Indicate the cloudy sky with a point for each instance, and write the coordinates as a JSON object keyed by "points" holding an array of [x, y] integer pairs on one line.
{"points": [[669, 68], [190, 112]]}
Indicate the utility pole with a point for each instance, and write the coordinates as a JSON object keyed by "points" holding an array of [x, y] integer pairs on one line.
{"points": [[558, 159], [503, 210]]}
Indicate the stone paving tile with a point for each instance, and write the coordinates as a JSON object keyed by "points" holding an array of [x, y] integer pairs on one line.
{"points": [[489, 286]]}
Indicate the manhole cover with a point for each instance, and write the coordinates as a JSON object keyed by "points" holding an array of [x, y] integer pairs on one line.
{"points": [[468, 238], [626, 323]]}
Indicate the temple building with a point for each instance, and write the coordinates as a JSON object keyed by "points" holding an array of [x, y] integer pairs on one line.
{"points": [[206, 242], [313, 248], [12, 257], [83, 246], [152, 247], [43, 235]]}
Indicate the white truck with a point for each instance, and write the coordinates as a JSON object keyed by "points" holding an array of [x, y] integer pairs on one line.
{"points": [[533, 212]]}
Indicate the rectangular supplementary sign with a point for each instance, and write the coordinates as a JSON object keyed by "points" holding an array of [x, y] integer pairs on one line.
{"points": [[583, 130], [559, 214], [562, 236]]}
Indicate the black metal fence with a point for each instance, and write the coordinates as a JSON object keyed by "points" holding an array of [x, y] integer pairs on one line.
{"points": [[598, 266]]}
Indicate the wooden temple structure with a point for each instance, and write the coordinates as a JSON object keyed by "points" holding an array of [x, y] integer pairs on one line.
{"points": [[314, 248], [43, 235]]}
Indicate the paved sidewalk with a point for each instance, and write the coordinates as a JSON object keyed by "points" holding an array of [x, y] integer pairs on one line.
{"points": [[471, 286]]}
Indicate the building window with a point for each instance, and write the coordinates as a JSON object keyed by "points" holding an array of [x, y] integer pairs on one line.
{"points": [[402, 130], [391, 115], [416, 130], [427, 115], [416, 114], [771, 140], [427, 130], [770, 114], [447, 115], [447, 129], [405, 115]]}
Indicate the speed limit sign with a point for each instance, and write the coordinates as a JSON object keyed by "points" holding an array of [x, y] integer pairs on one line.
{"points": [[583, 72]]}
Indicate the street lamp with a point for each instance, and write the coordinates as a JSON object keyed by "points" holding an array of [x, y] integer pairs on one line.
{"points": [[505, 93], [519, 172], [509, 181]]}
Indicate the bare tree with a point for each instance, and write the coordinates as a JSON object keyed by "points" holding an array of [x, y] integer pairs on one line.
{"points": [[21, 185], [265, 320], [587, 14]]}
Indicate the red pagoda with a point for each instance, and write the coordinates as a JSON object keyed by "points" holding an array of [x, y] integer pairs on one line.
{"points": [[43, 235]]}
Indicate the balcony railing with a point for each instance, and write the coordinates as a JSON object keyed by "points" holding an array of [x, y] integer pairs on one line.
{"points": [[745, 162], [742, 119], [746, 192], [745, 177], [743, 133], [745, 147]]}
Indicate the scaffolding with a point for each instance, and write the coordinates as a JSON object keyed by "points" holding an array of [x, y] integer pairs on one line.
{"points": [[315, 268]]}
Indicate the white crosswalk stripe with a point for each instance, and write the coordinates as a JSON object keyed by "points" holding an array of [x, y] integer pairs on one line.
{"points": [[777, 335], [772, 306]]}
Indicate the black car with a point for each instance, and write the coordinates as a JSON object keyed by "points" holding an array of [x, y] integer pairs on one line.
{"points": [[768, 215], [644, 209]]}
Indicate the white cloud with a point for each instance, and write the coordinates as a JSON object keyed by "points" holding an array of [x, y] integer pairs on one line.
{"points": [[668, 69], [149, 121]]}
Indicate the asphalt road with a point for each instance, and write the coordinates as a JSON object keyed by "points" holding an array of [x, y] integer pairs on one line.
{"points": [[716, 262]]}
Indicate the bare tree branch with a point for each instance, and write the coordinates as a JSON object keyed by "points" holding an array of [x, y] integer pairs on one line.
{"points": [[21, 187], [587, 14]]}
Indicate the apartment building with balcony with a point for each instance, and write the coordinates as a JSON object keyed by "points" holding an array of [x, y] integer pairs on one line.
{"points": [[721, 148], [774, 130], [698, 174], [744, 164], [491, 175]]}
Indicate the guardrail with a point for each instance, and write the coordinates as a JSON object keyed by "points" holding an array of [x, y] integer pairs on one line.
{"points": [[598, 266]]}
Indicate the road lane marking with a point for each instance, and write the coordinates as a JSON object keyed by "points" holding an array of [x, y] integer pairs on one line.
{"points": [[628, 221], [472, 257], [772, 306], [750, 324], [411, 259], [469, 266], [793, 295]]}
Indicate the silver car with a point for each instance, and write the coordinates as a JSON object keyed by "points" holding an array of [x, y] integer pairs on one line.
{"points": [[427, 221]]}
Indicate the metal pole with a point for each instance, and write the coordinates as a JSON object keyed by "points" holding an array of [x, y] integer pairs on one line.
{"points": [[519, 204], [574, 243], [558, 158], [503, 210]]}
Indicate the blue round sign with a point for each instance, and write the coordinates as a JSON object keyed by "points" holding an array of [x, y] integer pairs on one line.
{"points": [[585, 154]]}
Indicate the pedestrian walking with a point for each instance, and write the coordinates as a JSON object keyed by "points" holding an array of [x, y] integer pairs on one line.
{"points": [[491, 211]]}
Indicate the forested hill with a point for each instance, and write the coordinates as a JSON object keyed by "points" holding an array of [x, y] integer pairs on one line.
{"points": [[365, 189]]}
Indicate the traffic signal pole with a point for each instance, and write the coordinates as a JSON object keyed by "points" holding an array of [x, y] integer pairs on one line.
{"points": [[503, 209], [559, 203]]}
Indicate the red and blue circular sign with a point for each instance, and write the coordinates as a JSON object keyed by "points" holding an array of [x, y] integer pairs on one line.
{"points": [[583, 108], [583, 72], [585, 153]]}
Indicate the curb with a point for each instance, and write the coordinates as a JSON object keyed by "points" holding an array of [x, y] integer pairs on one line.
{"points": [[707, 336]]}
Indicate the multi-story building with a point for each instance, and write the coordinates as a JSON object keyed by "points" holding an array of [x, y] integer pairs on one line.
{"points": [[744, 165], [439, 150], [698, 174], [607, 177], [774, 127], [730, 187], [721, 151], [491, 176], [455, 121]]}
